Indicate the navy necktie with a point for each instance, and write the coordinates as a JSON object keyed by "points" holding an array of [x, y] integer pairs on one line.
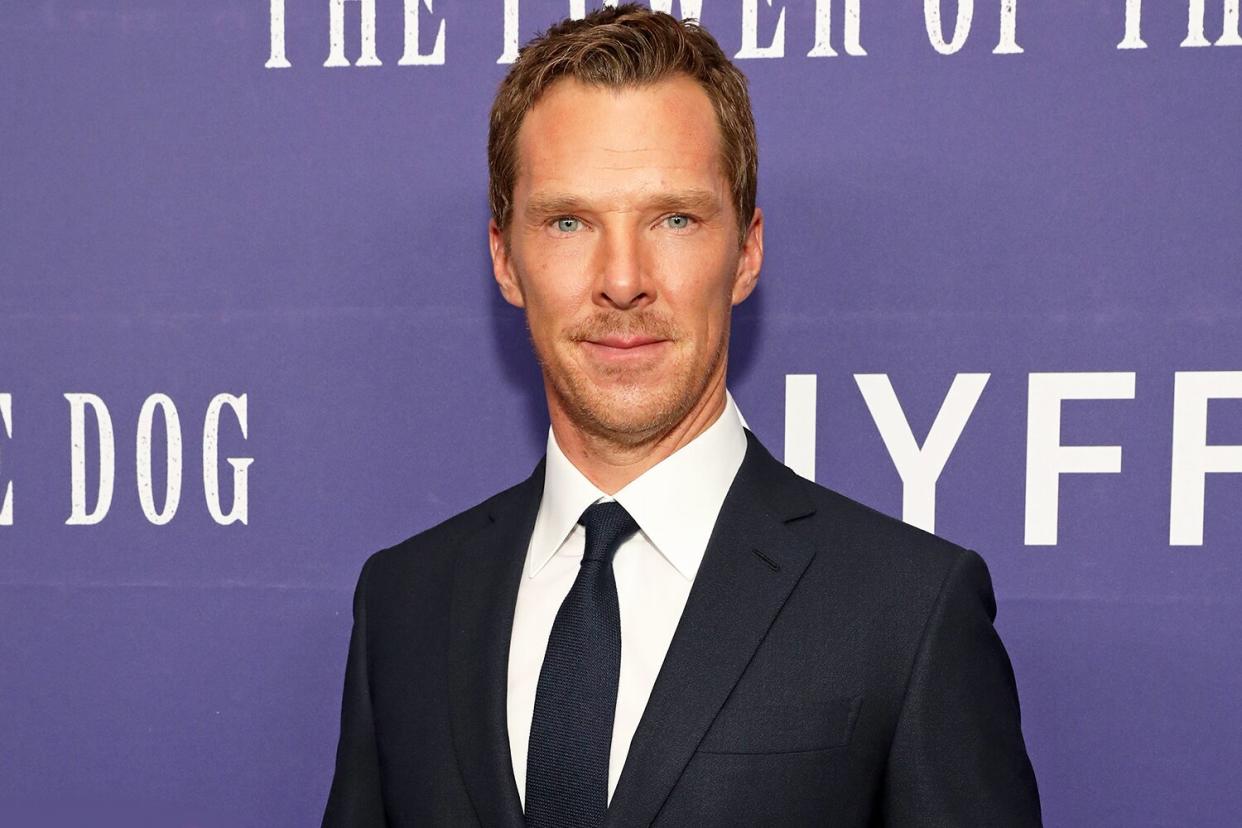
{"points": [[576, 699]]}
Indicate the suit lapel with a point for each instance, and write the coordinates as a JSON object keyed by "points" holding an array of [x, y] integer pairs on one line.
{"points": [[751, 564], [485, 586]]}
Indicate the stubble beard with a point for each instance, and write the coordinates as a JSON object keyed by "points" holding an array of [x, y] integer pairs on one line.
{"points": [[629, 414]]}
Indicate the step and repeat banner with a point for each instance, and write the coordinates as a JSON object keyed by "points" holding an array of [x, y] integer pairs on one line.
{"points": [[249, 335]]}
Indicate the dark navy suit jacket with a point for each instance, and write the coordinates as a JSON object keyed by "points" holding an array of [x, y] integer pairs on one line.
{"points": [[832, 666]]}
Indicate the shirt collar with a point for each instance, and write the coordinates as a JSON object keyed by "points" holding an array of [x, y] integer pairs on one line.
{"points": [[675, 502]]}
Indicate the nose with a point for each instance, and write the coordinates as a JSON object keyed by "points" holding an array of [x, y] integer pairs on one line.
{"points": [[623, 277]]}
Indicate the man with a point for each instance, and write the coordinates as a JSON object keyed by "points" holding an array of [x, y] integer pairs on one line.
{"points": [[662, 624]]}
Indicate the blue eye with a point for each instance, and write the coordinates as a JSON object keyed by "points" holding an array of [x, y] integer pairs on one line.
{"points": [[678, 221], [568, 224]]}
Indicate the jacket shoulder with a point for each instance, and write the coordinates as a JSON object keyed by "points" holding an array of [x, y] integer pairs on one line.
{"points": [[438, 542], [853, 530], [896, 570], [873, 539]]}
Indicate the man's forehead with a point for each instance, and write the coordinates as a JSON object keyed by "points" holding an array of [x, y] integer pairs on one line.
{"points": [[577, 130]]}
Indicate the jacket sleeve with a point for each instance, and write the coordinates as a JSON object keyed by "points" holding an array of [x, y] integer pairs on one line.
{"points": [[958, 757], [355, 800]]}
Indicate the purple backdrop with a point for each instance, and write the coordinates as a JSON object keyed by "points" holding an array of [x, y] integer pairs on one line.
{"points": [[178, 219]]}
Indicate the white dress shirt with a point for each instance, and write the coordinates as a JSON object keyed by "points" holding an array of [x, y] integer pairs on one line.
{"points": [[675, 504]]}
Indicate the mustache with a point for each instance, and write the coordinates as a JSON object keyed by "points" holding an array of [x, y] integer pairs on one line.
{"points": [[627, 324]]}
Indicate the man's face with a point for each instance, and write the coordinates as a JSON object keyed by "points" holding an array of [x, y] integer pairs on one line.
{"points": [[623, 250]]}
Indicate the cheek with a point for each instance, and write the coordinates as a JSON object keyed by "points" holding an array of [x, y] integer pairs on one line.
{"points": [[700, 292], [553, 299]]}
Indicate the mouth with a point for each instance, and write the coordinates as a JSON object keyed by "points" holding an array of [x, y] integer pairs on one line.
{"points": [[624, 348]]}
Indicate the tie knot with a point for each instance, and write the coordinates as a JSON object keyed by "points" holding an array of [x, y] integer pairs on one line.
{"points": [[607, 527]]}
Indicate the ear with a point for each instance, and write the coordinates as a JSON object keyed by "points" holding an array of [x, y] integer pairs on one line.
{"points": [[502, 266], [751, 259]]}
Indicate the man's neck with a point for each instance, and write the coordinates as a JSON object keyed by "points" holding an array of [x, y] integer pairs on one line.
{"points": [[611, 464]]}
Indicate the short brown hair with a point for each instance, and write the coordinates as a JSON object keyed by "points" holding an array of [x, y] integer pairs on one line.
{"points": [[624, 46]]}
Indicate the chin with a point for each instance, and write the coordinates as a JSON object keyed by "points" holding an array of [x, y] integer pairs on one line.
{"points": [[626, 406], [631, 412]]}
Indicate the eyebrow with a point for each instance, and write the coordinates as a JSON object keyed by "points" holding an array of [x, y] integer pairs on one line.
{"points": [[543, 205]]}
